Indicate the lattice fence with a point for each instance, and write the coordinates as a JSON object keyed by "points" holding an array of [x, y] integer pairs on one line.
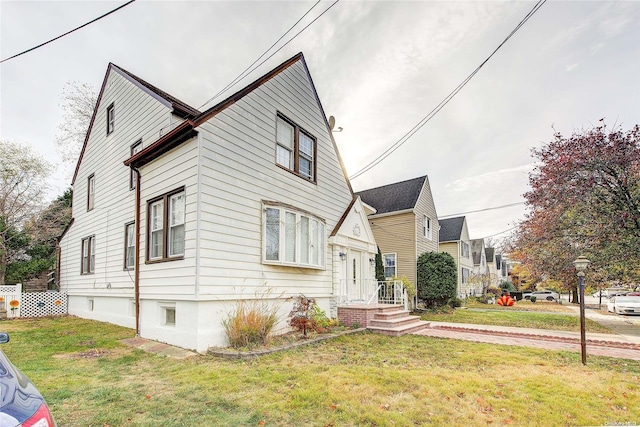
{"points": [[31, 304]]}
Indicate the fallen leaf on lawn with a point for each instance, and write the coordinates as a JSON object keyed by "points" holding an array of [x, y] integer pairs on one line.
{"points": [[508, 421], [479, 400], [148, 396], [499, 393], [385, 407], [503, 410], [333, 407], [261, 423]]}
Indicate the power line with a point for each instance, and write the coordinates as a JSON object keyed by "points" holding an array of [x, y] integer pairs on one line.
{"points": [[237, 79], [446, 100], [242, 74], [483, 210], [69, 32]]}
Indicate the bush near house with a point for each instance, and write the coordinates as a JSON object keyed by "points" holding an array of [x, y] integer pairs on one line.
{"points": [[437, 278], [250, 324]]}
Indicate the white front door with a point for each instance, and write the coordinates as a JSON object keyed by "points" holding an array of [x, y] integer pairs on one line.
{"points": [[354, 276]]}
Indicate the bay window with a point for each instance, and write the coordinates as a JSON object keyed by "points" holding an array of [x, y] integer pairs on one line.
{"points": [[293, 238]]}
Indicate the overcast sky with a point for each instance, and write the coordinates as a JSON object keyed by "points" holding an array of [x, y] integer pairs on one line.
{"points": [[378, 67]]}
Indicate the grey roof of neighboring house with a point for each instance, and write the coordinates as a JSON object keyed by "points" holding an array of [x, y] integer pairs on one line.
{"points": [[451, 229], [393, 197], [490, 254], [476, 250]]}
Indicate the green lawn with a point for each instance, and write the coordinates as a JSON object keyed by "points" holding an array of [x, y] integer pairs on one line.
{"points": [[510, 316], [363, 379]]}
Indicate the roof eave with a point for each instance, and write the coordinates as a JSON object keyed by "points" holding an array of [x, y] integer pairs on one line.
{"points": [[177, 136]]}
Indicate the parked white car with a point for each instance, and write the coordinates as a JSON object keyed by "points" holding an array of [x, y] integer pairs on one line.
{"points": [[624, 305], [543, 295]]}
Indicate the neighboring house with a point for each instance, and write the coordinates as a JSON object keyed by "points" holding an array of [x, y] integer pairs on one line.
{"points": [[405, 224], [494, 273], [480, 278], [179, 214], [454, 239]]}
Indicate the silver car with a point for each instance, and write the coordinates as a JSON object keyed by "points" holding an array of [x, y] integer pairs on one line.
{"points": [[544, 295]]}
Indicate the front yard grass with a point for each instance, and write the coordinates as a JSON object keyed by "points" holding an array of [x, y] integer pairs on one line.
{"points": [[514, 316], [364, 379]]}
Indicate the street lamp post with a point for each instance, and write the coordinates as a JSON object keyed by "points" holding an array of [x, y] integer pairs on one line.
{"points": [[581, 264]]}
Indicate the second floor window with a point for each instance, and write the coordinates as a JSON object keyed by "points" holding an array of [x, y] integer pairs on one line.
{"points": [[91, 191], [464, 249], [426, 227], [295, 149], [166, 222], [135, 148], [111, 118]]}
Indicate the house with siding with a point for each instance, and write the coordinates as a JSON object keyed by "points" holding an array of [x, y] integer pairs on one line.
{"points": [[405, 224], [454, 239], [178, 214], [494, 273]]}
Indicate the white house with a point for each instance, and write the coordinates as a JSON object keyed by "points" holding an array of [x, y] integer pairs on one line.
{"points": [[178, 213]]}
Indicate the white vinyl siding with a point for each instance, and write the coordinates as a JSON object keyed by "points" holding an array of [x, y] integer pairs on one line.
{"points": [[238, 152], [135, 148], [290, 235], [140, 115]]}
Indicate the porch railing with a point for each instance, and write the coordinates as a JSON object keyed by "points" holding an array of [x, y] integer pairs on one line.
{"points": [[372, 292]]}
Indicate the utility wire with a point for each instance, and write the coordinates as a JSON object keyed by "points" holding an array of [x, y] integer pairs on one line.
{"points": [[482, 210], [446, 100], [278, 50], [242, 74], [69, 32]]}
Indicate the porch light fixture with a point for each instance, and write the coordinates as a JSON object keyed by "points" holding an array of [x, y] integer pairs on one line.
{"points": [[342, 255], [581, 264], [372, 261]]}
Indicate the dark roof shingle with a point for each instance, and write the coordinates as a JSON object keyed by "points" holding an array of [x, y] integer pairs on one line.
{"points": [[451, 229], [394, 197]]}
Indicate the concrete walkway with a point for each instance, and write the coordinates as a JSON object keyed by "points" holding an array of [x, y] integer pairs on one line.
{"points": [[158, 348], [611, 345]]}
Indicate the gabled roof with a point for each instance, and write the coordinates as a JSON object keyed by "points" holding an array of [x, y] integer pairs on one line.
{"points": [[451, 229], [476, 250], [181, 109], [395, 197], [187, 129], [490, 254]]}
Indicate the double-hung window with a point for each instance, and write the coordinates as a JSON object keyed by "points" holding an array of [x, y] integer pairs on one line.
{"points": [[464, 250], [295, 149], [135, 148], [91, 191], [426, 227], [293, 238], [129, 246], [111, 118], [166, 224], [465, 275], [88, 261], [389, 265]]}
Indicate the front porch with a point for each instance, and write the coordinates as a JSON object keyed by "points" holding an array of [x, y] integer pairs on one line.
{"points": [[380, 306]]}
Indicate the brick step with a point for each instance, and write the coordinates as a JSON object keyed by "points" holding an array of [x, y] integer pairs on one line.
{"points": [[388, 315], [397, 321], [389, 307], [400, 330]]}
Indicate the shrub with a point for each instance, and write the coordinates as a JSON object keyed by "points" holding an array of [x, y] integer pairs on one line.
{"points": [[533, 299], [250, 323], [437, 278], [455, 302], [507, 285]]}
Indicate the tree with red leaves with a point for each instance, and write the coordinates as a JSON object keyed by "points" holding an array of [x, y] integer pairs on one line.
{"points": [[585, 200]]}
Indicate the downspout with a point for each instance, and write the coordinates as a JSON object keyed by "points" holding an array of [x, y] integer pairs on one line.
{"points": [[136, 273]]}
